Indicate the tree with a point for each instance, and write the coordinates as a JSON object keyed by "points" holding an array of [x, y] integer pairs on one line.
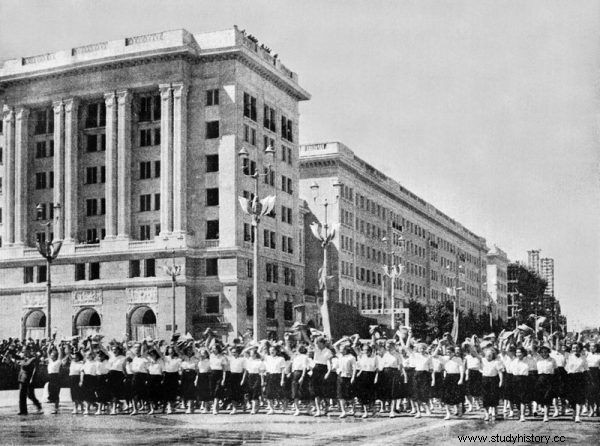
{"points": [[440, 319], [418, 319]]}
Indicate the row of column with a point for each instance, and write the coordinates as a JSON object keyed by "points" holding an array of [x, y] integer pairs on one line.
{"points": [[118, 166]]}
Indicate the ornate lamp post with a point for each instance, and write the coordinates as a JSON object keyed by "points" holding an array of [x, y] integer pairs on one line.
{"points": [[325, 236], [256, 208], [49, 250], [173, 270], [393, 272]]}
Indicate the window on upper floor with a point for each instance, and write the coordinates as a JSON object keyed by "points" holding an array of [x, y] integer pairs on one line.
{"points": [[250, 106], [212, 97], [212, 129], [212, 267], [149, 108], [212, 196], [145, 170], [95, 115], [150, 267], [212, 163], [212, 229], [43, 121], [269, 121], [212, 304], [287, 129], [134, 268]]}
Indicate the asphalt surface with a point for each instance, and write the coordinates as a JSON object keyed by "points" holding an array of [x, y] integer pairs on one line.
{"points": [[244, 429]]}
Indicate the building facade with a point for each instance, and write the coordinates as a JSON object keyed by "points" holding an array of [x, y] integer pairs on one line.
{"points": [[533, 260], [547, 273], [137, 141], [497, 281], [378, 223]]}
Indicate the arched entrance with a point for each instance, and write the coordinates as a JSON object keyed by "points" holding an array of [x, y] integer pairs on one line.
{"points": [[142, 323], [35, 325], [87, 323]]}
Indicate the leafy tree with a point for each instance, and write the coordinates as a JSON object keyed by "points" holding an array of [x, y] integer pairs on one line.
{"points": [[418, 319], [440, 319]]}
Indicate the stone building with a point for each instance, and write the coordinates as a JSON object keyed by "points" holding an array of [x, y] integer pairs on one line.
{"points": [[497, 281], [380, 223], [137, 141]]}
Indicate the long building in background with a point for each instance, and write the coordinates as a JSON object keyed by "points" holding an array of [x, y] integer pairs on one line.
{"points": [[382, 223], [497, 281], [547, 273], [137, 141]]}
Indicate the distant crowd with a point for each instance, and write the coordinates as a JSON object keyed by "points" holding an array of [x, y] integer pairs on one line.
{"points": [[518, 373]]}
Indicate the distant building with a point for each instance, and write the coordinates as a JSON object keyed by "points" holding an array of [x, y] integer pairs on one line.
{"points": [[379, 222], [547, 273], [533, 260], [497, 281]]}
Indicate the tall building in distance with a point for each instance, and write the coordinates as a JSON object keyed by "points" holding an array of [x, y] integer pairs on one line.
{"points": [[382, 223], [547, 273], [497, 280], [533, 260], [137, 140]]}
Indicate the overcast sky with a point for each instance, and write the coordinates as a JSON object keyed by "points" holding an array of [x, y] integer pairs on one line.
{"points": [[487, 109]]}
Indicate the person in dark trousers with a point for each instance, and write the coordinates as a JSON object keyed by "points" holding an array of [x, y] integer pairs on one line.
{"points": [[27, 371]]}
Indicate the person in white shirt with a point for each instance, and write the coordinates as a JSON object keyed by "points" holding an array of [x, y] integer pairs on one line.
{"points": [[520, 370], [593, 388], [171, 378], [75, 366], [392, 377], [492, 372], [139, 368], [88, 381], [255, 368], [321, 367], [237, 373], [116, 375], [577, 370], [55, 360], [560, 355], [156, 367], [346, 371], [218, 375], [454, 373], [102, 390], [202, 382], [424, 379], [507, 357], [472, 378], [300, 367], [275, 368], [544, 386], [368, 371]]}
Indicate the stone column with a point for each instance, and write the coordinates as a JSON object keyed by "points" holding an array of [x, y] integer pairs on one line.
{"points": [[179, 158], [111, 166], [59, 167], [8, 195], [124, 164], [21, 158], [166, 160], [71, 174]]}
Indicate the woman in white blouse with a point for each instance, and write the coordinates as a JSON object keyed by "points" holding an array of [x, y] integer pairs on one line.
{"points": [[55, 360], [116, 375], [300, 367], [577, 369], [75, 366], [368, 367], [202, 383], [275, 368], [346, 371], [87, 381], [393, 377], [189, 369], [593, 390], [544, 386], [454, 372], [491, 381], [237, 373], [520, 370], [218, 375], [156, 367], [424, 379], [472, 377], [255, 369], [171, 378]]}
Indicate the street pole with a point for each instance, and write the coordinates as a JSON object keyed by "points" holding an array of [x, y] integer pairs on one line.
{"points": [[173, 270], [256, 208]]}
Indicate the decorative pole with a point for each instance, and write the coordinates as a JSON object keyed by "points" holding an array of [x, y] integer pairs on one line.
{"points": [[49, 250], [173, 270], [256, 208]]}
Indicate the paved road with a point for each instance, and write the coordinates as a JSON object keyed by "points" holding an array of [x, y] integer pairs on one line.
{"points": [[66, 428]]}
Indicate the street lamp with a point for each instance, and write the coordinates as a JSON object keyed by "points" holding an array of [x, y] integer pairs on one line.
{"points": [[393, 272], [325, 237], [173, 270], [256, 208], [48, 250]]}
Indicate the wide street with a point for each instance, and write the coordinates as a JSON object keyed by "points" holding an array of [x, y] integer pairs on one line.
{"points": [[66, 428]]}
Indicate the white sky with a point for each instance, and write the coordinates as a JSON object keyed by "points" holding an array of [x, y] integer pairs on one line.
{"points": [[487, 109]]}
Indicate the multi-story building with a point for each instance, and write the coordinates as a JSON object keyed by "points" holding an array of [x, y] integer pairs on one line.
{"points": [[497, 285], [533, 260], [137, 140], [379, 222], [547, 273]]}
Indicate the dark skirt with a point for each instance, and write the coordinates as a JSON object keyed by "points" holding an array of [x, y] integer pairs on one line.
{"points": [[128, 387], [53, 387], [203, 389], [116, 381], [593, 386], [473, 384], [422, 385], [235, 387], [410, 382], [171, 386], [76, 391], [544, 389], [102, 389], [507, 386], [391, 384], [531, 383], [300, 391], [344, 388], [155, 388], [560, 382], [576, 384], [188, 388], [437, 390], [365, 387], [88, 389], [254, 386], [286, 389], [217, 390], [273, 388], [453, 393], [520, 392], [317, 381], [331, 385], [139, 385], [490, 392]]}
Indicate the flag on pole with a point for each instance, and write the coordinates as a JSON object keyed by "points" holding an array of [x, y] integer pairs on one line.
{"points": [[454, 332]]}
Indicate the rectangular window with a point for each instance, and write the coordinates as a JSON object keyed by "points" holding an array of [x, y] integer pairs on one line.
{"points": [[249, 106], [144, 232], [91, 144], [288, 310], [157, 136], [91, 205], [212, 267], [156, 169], [145, 137], [40, 118], [134, 268], [94, 270], [92, 235], [248, 233], [51, 179], [79, 271], [212, 196], [270, 308], [145, 170], [249, 303], [273, 240], [102, 143], [156, 202], [269, 119], [103, 174], [212, 129], [42, 273], [287, 129], [150, 267], [248, 166], [28, 274], [212, 97], [145, 202], [91, 175], [211, 304], [40, 149], [212, 163], [40, 180], [212, 230], [266, 237]]}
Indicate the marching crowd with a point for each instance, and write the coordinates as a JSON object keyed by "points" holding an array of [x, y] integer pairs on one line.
{"points": [[519, 372]]}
